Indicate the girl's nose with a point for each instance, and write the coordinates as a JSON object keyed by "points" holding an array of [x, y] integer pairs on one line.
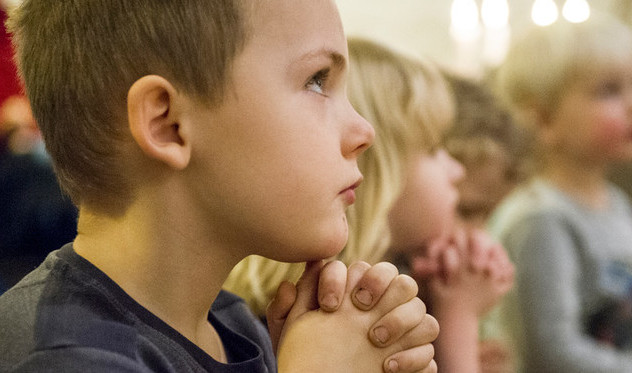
{"points": [[456, 171]]}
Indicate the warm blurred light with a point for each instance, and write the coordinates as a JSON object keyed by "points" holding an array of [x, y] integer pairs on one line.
{"points": [[464, 26], [495, 13], [576, 11], [544, 12]]}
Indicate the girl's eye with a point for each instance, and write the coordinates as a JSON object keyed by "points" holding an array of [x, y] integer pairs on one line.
{"points": [[318, 81]]}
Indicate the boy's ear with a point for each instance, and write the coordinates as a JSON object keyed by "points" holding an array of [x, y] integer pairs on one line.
{"points": [[544, 127], [154, 121], [539, 120]]}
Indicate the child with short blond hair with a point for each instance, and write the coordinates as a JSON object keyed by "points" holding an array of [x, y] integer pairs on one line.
{"points": [[568, 230]]}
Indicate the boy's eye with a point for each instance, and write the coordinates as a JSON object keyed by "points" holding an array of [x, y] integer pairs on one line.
{"points": [[318, 81]]}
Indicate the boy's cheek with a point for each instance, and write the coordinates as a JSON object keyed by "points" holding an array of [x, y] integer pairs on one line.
{"points": [[612, 131]]}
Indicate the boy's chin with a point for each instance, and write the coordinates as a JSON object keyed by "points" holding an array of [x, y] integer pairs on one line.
{"points": [[327, 248]]}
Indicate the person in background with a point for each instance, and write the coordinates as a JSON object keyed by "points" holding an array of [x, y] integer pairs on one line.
{"points": [[36, 216], [568, 229], [494, 150], [491, 146], [462, 273]]}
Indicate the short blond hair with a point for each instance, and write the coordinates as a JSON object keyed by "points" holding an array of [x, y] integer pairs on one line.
{"points": [[540, 64]]}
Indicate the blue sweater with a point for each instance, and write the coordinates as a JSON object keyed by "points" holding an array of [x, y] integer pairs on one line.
{"points": [[68, 316]]}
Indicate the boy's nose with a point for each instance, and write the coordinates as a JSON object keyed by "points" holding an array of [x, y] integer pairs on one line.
{"points": [[358, 135]]}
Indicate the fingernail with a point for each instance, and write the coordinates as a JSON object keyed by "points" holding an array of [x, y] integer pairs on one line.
{"points": [[364, 297], [393, 366], [329, 301], [381, 334]]}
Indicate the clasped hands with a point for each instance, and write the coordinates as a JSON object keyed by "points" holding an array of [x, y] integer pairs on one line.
{"points": [[358, 319]]}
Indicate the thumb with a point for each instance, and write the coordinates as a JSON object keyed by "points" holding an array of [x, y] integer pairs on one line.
{"points": [[278, 310], [307, 290]]}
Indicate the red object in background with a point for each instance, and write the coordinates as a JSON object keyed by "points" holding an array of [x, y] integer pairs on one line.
{"points": [[9, 82]]}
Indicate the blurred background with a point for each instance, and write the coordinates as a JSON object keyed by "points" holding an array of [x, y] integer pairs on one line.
{"points": [[469, 36]]}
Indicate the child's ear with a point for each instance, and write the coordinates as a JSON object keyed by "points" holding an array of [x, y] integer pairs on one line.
{"points": [[153, 116], [539, 119], [546, 131]]}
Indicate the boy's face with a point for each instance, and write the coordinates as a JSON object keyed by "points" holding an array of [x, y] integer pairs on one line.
{"points": [[593, 121], [426, 209], [485, 184], [278, 157]]}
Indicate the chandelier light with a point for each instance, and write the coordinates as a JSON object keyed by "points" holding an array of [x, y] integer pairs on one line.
{"points": [[544, 12], [495, 14], [576, 11], [464, 25]]}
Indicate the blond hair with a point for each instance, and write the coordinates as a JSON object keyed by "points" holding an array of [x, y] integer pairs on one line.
{"points": [[545, 60], [409, 105]]}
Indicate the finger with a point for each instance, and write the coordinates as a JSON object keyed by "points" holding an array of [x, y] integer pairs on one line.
{"points": [[500, 264], [355, 273], [398, 322], [278, 310], [423, 267], [370, 288], [425, 332], [460, 239], [478, 250], [306, 289], [417, 359], [435, 248], [331, 285], [450, 264], [497, 263]]}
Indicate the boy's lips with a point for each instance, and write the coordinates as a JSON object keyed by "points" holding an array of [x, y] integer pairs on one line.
{"points": [[348, 194]]}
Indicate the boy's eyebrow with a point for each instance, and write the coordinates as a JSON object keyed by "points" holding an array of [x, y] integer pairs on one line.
{"points": [[338, 60]]}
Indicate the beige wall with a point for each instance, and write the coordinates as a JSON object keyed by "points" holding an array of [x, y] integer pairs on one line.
{"points": [[421, 27]]}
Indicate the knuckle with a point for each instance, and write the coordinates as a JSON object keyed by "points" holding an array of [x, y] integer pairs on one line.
{"points": [[408, 284], [360, 264], [387, 267]]}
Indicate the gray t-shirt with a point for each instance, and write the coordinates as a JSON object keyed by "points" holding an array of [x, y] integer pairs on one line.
{"points": [[68, 316], [567, 312]]}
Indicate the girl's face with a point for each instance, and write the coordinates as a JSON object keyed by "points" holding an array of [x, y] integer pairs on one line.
{"points": [[426, 208], [593, 122]]}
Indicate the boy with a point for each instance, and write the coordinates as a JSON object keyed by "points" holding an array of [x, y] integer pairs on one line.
{"points": [[236, 139], [490, 145], [568, 229]]}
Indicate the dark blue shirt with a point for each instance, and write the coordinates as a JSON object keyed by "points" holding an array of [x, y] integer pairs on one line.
{"points": [[68, 316]]}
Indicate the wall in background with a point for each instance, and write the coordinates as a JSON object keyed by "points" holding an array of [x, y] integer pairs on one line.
{"points": [[422, 28]]}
